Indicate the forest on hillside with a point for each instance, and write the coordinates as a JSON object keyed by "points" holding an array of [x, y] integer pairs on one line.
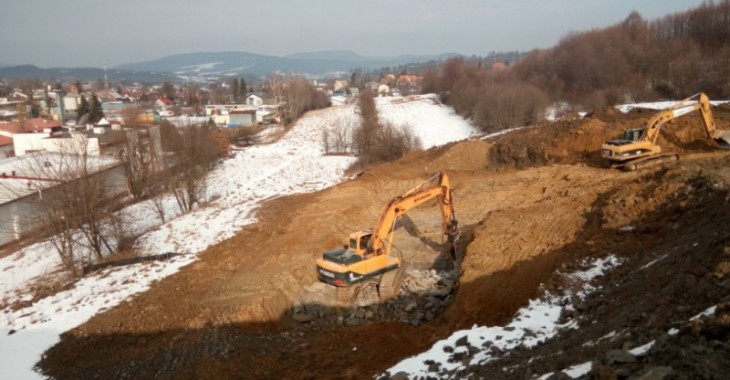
{"points": [[671, 57]]}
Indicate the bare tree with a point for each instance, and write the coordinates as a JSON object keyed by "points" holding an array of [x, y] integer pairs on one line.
{"points": [[276, 87], [192, 156], [295, 96], [337, 138], [141, 153], [364, 137], [74, 192]]}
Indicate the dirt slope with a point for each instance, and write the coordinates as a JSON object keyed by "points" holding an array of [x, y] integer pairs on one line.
{"points": [[529, 203]]}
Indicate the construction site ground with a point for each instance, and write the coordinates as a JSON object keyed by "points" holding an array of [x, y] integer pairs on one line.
{"points": [[529, 203]]}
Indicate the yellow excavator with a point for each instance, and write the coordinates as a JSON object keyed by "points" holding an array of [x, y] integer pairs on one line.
{"points": [[368, 253], [638, 149]]}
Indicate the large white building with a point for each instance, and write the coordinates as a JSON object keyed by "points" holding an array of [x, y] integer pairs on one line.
{"points": [[25, 180]]}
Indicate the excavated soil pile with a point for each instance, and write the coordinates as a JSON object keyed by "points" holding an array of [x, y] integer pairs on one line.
{"points": [[251, 307]]}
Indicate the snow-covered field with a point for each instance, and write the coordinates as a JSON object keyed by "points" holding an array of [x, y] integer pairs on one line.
{"points": [[294, 164]]}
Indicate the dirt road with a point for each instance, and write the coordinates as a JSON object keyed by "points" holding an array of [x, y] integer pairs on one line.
{"points": [[529, 203]]}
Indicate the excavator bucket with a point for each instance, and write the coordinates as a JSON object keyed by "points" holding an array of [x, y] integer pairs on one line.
{"points": [[722, 138], [390, 283]]}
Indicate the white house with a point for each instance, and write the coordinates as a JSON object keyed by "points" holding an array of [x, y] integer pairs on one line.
{"points": [[254, 100], [221, 113], [71, 102], [242, 117], [383, 90], [25, 143]]}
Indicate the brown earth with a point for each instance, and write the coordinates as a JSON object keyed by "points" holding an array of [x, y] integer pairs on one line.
{"points": [[529, 203]]}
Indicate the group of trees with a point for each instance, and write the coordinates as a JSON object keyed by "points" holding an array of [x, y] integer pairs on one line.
{"points": [[79, 213], [672, 57], [295, 95], [89, 111], [375, 142], [239, 90]]}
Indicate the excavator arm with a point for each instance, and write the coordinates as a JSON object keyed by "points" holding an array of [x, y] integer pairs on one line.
{"points": [[683, 107], [381, 242]]}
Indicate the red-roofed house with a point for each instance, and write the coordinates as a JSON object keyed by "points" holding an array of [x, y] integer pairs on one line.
{"points": [[163, 102], [41, 125], [408, 80], [499, 66]]}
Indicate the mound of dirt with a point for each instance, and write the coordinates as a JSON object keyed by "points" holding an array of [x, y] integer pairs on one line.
{"points": [[468, 155], [579, 141]]}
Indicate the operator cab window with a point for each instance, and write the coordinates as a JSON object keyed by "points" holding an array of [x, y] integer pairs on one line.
{"points": [[364, 241]]}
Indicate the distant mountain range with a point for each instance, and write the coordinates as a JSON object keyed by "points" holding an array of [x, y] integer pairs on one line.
{"points": [[217, 65], [223, 64], [80, 73]]}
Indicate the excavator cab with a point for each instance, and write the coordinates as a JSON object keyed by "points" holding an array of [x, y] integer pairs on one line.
{"points": [[633, 134], [359, 241]]}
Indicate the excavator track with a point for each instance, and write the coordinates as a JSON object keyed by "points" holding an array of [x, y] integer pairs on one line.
{"points": [[649, 161]]}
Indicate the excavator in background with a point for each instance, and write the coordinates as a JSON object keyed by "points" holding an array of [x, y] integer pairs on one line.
{"points": [[638, 149], [368, 254]]}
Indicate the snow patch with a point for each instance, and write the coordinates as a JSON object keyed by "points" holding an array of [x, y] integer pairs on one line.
{"points": [[531, 325]]}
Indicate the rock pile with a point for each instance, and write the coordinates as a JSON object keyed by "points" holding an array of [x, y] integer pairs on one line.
{"points": [[423, 295]]}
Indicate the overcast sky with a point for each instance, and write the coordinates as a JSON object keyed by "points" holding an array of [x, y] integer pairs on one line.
{"points": [[53, 33]]}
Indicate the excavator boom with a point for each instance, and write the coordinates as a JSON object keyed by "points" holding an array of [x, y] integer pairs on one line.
{"points": [[392, 211]]}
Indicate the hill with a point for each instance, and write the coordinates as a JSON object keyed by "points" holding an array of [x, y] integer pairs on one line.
{"points": [[203, 66], [81, 73]]}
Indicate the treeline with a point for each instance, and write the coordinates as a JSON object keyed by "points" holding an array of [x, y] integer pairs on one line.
{"points": [[296, 95], [636, 60]]}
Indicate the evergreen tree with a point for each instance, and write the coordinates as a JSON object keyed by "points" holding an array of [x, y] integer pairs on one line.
{"points": [[95, 111], [83, 108], [242, 89], [234, 90], [168, 89]]}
